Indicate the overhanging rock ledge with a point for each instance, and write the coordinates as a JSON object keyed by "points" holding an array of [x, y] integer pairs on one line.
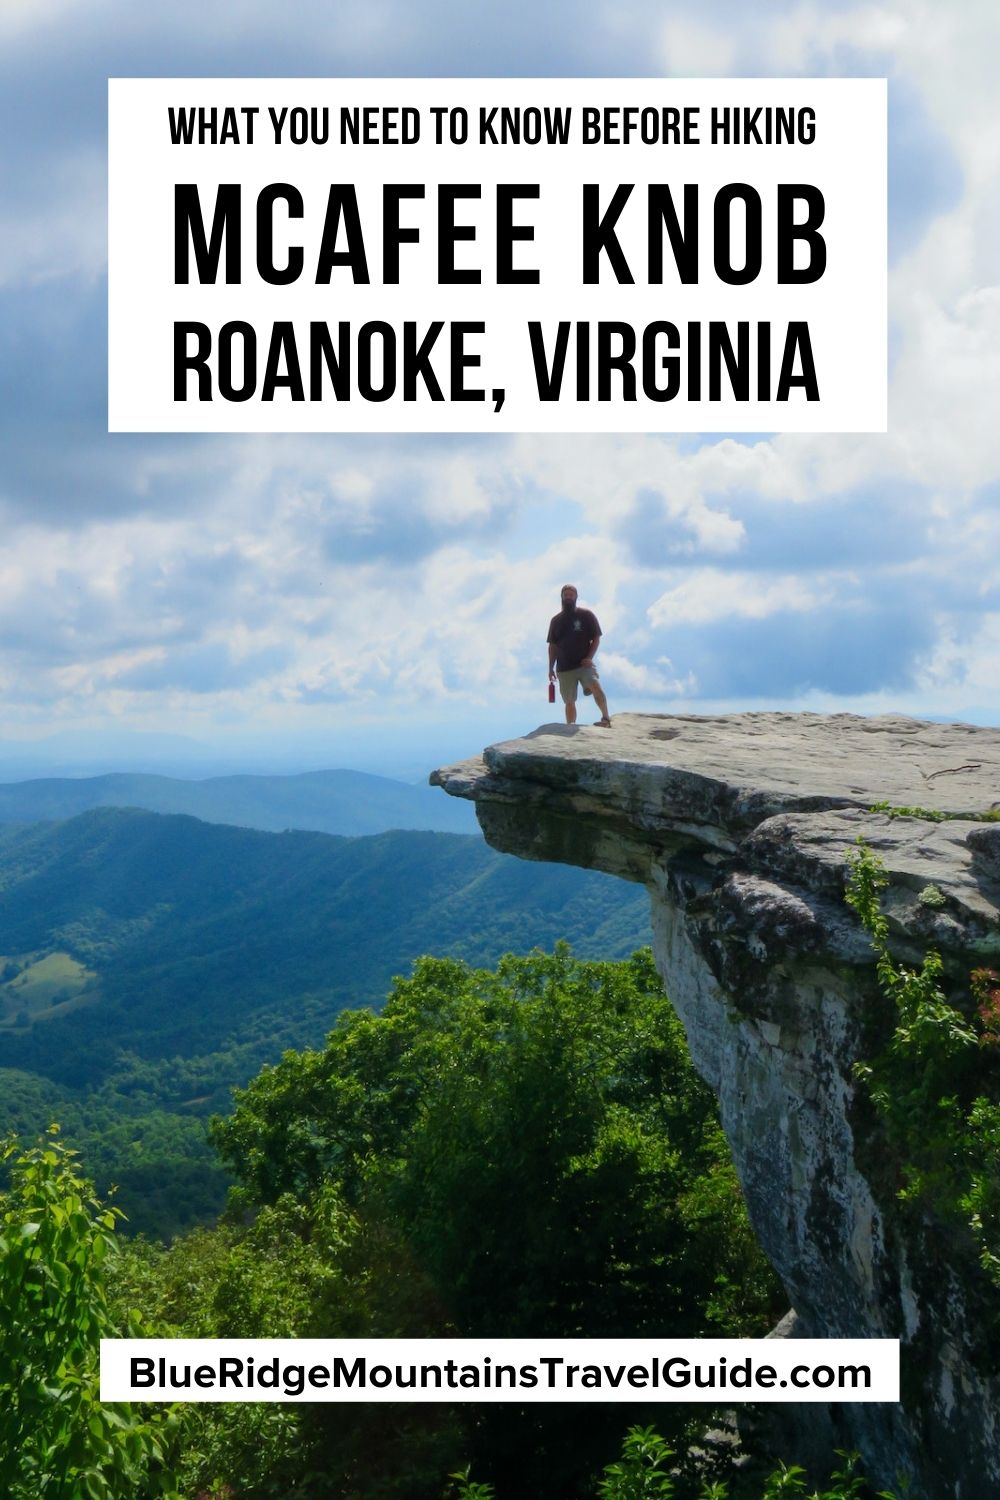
{"points": [[740, 826]]}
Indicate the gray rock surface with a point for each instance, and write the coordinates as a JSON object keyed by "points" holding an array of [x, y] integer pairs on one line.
{"points": [[740, 825]]}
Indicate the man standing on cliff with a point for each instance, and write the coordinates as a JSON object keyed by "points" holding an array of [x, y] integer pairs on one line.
{"points": [[574, 636]]}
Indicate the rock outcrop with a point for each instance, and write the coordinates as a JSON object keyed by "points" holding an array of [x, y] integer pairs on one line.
{"points": [[740, 826]]}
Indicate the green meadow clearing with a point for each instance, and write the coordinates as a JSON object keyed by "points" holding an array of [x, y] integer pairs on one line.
{"points": [[37, 986]]}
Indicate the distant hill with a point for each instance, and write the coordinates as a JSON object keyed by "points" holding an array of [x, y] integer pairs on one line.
{"points": [[174, 932], [148, 963], [346, 802]]}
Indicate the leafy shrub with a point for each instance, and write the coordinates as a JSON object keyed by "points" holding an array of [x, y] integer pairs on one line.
{"points": [[944, 1133], [510, 1153], [57, 1439], [641, 1473], [644, 1473]]}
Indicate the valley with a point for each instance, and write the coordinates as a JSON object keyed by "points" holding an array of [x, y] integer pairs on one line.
{"points": [[150, 963]]}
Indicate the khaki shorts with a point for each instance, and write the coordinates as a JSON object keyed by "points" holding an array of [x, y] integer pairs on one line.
{"points": [[584, 677]]}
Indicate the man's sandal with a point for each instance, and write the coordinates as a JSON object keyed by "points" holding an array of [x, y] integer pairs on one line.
{"points": [[602, 724]]}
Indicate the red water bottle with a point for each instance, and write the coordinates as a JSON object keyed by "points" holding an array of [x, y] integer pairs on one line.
{"points": [[552, 691]]}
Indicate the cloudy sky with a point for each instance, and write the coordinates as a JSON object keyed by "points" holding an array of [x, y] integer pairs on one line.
{"points": [[373, 601]]}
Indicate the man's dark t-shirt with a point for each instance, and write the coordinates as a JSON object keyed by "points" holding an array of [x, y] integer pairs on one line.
{"points": [[571, 634]]}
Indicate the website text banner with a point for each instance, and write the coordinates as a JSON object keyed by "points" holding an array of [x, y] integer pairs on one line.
{"points": [[497, 255], [474, 1370]]}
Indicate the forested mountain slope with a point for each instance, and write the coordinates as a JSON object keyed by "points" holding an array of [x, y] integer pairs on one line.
{"points": [[148, 963]]}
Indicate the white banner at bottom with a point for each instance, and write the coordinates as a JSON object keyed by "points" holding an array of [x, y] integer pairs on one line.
{"points": [[516, 1370]]}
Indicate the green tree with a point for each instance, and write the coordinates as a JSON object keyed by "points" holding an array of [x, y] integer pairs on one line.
{"points": [[57, 1440], [525, 1152]]}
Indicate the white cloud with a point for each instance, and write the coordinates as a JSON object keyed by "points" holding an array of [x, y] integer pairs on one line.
{"points": [[388, 572], [18, 18], [642, 680], [710, 594], [813, 35], [690, 48], [59, 227], [604, 474]]}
